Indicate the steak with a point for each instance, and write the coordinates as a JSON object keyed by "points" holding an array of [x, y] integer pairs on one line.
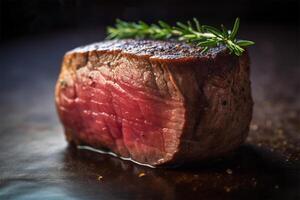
{"points": [[155, 102]]}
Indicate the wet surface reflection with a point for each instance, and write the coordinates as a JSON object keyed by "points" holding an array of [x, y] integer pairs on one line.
{"points": [[43, 166], [36, 163], [248, 173]]}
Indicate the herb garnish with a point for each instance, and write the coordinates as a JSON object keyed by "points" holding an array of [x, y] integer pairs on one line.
{"points": [[194, 33]]}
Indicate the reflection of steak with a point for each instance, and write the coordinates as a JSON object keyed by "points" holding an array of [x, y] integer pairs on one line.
{"points": [[157, 102]]}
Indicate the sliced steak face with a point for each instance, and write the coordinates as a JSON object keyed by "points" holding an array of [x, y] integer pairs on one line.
{"points": [[156, 102]]}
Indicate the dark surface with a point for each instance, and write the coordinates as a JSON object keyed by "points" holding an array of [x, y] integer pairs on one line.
{"points": [[37, 164]]}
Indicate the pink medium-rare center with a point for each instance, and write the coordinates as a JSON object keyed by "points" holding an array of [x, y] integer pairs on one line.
{"points": [[131, 116]]}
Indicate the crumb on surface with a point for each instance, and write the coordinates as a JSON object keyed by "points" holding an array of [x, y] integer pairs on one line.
{"points": [[141, 174], [229, 171], [100, 178], [254, 127], [227, 189]]}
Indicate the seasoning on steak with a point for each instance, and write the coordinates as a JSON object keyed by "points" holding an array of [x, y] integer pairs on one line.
{"points": [[156, 102]]}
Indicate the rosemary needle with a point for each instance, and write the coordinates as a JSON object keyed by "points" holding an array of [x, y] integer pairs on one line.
{"points": [[190, 32]]}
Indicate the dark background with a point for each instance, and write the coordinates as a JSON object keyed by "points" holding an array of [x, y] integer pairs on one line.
{"points": [[35, 162], [23, 17]]}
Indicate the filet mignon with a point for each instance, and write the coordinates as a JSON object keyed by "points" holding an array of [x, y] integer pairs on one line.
{"points": [[156, 102]]}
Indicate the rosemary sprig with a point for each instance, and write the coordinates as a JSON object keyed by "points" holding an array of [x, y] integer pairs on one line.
{"points": [[191, 32]]}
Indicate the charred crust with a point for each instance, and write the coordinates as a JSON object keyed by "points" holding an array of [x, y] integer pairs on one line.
{"points": [[159, 49]]}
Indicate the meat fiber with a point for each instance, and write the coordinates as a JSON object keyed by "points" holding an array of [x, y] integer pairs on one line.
{"points": [[156, 102]]}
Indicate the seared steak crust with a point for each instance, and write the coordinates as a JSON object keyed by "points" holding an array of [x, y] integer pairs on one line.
{"points": [[152, 48], [157, 102]]}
